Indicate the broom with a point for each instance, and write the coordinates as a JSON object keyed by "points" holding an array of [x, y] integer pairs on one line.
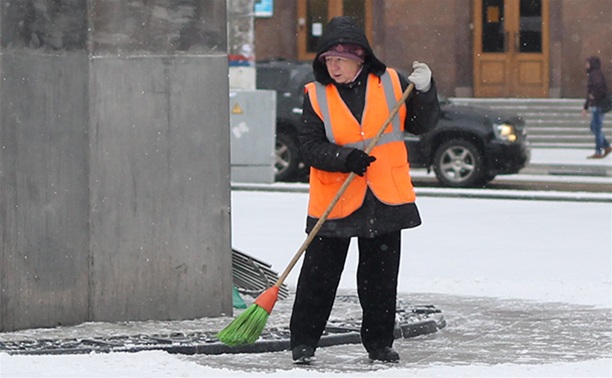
{"points": [[248, 326]]}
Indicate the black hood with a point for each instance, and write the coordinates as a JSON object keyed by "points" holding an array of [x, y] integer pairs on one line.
{"points": [[594, 63], [343, 29]]}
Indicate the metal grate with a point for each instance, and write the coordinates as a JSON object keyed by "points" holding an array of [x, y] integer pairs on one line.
{"points": [[252, 276]]}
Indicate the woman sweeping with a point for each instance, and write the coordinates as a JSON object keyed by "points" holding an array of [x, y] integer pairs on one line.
{"points": [[343, 108]]}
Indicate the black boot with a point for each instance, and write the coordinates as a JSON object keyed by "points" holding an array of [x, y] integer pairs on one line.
{"points": [[386, 354], [303, 354]]}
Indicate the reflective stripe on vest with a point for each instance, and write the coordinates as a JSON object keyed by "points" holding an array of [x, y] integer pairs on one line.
{"points": [[388, 177], [396, 135]]}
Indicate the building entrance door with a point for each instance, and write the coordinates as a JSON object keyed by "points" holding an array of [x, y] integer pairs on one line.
{"points": [[313, 16], [511, 48]]}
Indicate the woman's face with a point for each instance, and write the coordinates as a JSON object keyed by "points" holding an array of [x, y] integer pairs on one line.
{"points": [[342, 70]]}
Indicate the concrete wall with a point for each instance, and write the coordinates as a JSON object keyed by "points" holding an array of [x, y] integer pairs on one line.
{"points": [[114, 161], [44, 205], [241, 46], [158, 187]]}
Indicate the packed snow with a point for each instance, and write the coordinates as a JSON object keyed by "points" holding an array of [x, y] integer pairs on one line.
{"points": [[535, 252]]}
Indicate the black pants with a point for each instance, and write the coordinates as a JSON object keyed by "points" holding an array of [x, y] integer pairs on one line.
{"points": [[376, 286]]}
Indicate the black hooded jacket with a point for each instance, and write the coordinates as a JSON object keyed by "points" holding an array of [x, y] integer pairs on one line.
{"points": [[374, 217], [343, 30], [597, 89]]}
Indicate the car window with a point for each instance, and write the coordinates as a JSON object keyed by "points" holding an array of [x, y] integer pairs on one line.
{"points": [[271, 78]]}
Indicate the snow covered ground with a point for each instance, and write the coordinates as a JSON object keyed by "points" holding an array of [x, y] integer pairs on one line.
{"points": [[535, 277]]}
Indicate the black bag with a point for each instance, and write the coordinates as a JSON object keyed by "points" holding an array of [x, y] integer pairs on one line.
{"points": [[606, 104]]}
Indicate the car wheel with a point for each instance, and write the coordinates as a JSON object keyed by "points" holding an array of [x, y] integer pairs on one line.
{"points": [[287, 158], [459, 163]]}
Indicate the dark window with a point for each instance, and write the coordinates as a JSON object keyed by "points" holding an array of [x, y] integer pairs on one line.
{"points": [[493, 34], [317, 16], [316, 19], [356, 10], [531, 26]]}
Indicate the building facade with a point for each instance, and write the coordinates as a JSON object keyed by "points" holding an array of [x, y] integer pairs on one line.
{"points": [[476, 48]]}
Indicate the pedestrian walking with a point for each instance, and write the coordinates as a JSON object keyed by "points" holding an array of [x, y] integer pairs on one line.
{"points": [[597, 93], [350, 99]]}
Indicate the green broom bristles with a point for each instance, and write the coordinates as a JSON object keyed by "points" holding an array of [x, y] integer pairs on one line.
{"points": [[246, 328]]}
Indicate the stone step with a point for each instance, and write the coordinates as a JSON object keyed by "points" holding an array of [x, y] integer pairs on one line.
{"points": [[562, 120], [521, 102], [551, 123], [561, 138], [580, 146], [560, 129]]}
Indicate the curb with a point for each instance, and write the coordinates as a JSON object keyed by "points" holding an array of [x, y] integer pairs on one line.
{"points": [[452, 193], [568, 170]]}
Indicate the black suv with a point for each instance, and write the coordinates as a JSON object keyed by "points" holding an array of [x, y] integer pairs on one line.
{"points": [[469, 147]]}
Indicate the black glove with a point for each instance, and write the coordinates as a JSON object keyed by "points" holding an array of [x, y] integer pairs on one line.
{"points": [[358, 161]]}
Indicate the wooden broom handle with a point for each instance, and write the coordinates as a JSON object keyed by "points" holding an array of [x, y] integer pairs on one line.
{"points": [[345, 185]]}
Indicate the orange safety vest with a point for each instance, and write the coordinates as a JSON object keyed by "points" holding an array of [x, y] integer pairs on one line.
{"points": [[389, 176]]}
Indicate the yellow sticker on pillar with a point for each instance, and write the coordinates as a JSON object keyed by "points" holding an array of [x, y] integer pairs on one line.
{"points": [[237, 109]]}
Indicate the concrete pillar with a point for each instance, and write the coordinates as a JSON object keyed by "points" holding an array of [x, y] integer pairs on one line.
{"points": [[241, 49], [114, 161]]}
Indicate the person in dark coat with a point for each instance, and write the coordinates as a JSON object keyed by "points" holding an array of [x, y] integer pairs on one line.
{"points": [[347, 70], [597, 92]]}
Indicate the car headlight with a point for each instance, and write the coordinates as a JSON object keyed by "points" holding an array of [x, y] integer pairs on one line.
{"points": [[505, 131]]}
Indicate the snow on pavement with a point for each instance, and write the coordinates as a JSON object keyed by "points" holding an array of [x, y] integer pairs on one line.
{"points": [[537, 275]]}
